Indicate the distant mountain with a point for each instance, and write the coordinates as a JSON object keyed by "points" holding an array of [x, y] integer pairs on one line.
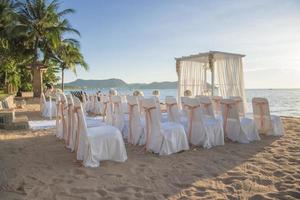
{"points": [[118, 83]]}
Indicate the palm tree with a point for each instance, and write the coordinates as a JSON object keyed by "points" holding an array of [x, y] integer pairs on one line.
{"points": [[69, 57], [44, 26]]}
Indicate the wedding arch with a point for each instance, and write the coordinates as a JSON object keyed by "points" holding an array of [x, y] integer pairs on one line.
{"points": [[225, 71]]}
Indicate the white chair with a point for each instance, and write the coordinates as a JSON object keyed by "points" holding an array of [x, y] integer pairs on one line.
{"points": [[98, 105], [203, 131], [84, 103], [136, 134], [108, 110], [118, 115], [70, 119], [162, 138], [238, 130], [266, 123], [124, 104], [172, 109], [240, 103], [216, 102], [93, 145], [48, 108], [62, 110], [206, 105]]}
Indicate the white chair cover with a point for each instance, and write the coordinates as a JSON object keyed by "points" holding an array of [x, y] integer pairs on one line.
{"points": [[118, 115], [166, 138], [84, 103], [42, 103], [216, 100], [64, 113], [124, 104], [48, 108], [206, 106], [203, 131], [98, 143], [98, 105], [240, 103], [266, 123], [108, 109], [70, 119], [236, 129], [172, 109], [61, 123], [136, 134]]}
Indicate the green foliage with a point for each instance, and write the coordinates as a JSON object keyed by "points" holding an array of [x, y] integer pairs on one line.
{"points": [[31, 31]]}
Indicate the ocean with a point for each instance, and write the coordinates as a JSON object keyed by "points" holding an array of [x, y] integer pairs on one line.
{"points": [[283, 102]]}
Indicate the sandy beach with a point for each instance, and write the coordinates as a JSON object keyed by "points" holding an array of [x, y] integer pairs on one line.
{"points": [[36, 165]]}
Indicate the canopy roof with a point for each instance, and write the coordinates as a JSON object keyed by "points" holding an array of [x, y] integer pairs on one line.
{"points": [[204, 57], [226, 71]]}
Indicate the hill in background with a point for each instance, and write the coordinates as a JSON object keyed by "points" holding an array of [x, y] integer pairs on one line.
{"points": [[118, 83]]}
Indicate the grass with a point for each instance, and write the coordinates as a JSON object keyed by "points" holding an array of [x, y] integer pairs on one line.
{"points": [[2, 95]]}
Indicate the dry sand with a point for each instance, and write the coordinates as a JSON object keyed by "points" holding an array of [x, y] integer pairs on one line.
{"points": [[36, 165]]}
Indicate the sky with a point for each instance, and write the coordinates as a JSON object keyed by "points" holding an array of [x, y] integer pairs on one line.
{"points": [[137, 40]]}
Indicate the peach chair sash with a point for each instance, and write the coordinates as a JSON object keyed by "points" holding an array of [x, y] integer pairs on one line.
{"points": [[261, 105], [227, 107], [148, 124], [191, 119], [130, 115]]}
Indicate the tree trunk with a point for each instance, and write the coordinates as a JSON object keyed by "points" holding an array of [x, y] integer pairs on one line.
{"points": [[62, 78], [37, 81], [36, 72]]}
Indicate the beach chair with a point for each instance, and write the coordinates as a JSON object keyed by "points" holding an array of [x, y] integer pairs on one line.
{"points": [[203, 131], [124, 104], [206, 106], [266, 123], [61, 119], [47, 108], [238, 130], [93, 145], [162, 138], [70, 119], [118, 115], [172, 109], [136, 134], [108, 111], [240, 103], [216, 102]]}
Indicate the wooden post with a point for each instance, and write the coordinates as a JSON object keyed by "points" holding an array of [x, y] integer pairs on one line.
{"points": [[37, 81], [211, 67]]}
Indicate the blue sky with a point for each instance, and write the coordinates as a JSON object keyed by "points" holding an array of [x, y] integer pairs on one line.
{"points": [[137, 40]]}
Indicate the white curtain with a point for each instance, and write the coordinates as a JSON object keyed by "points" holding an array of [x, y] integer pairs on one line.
{"points": [[192, 76], [230, 77]]}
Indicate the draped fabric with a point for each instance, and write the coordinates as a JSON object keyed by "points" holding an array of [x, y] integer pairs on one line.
{"points": [[230, 77], [192, 76], [227, 73]]}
